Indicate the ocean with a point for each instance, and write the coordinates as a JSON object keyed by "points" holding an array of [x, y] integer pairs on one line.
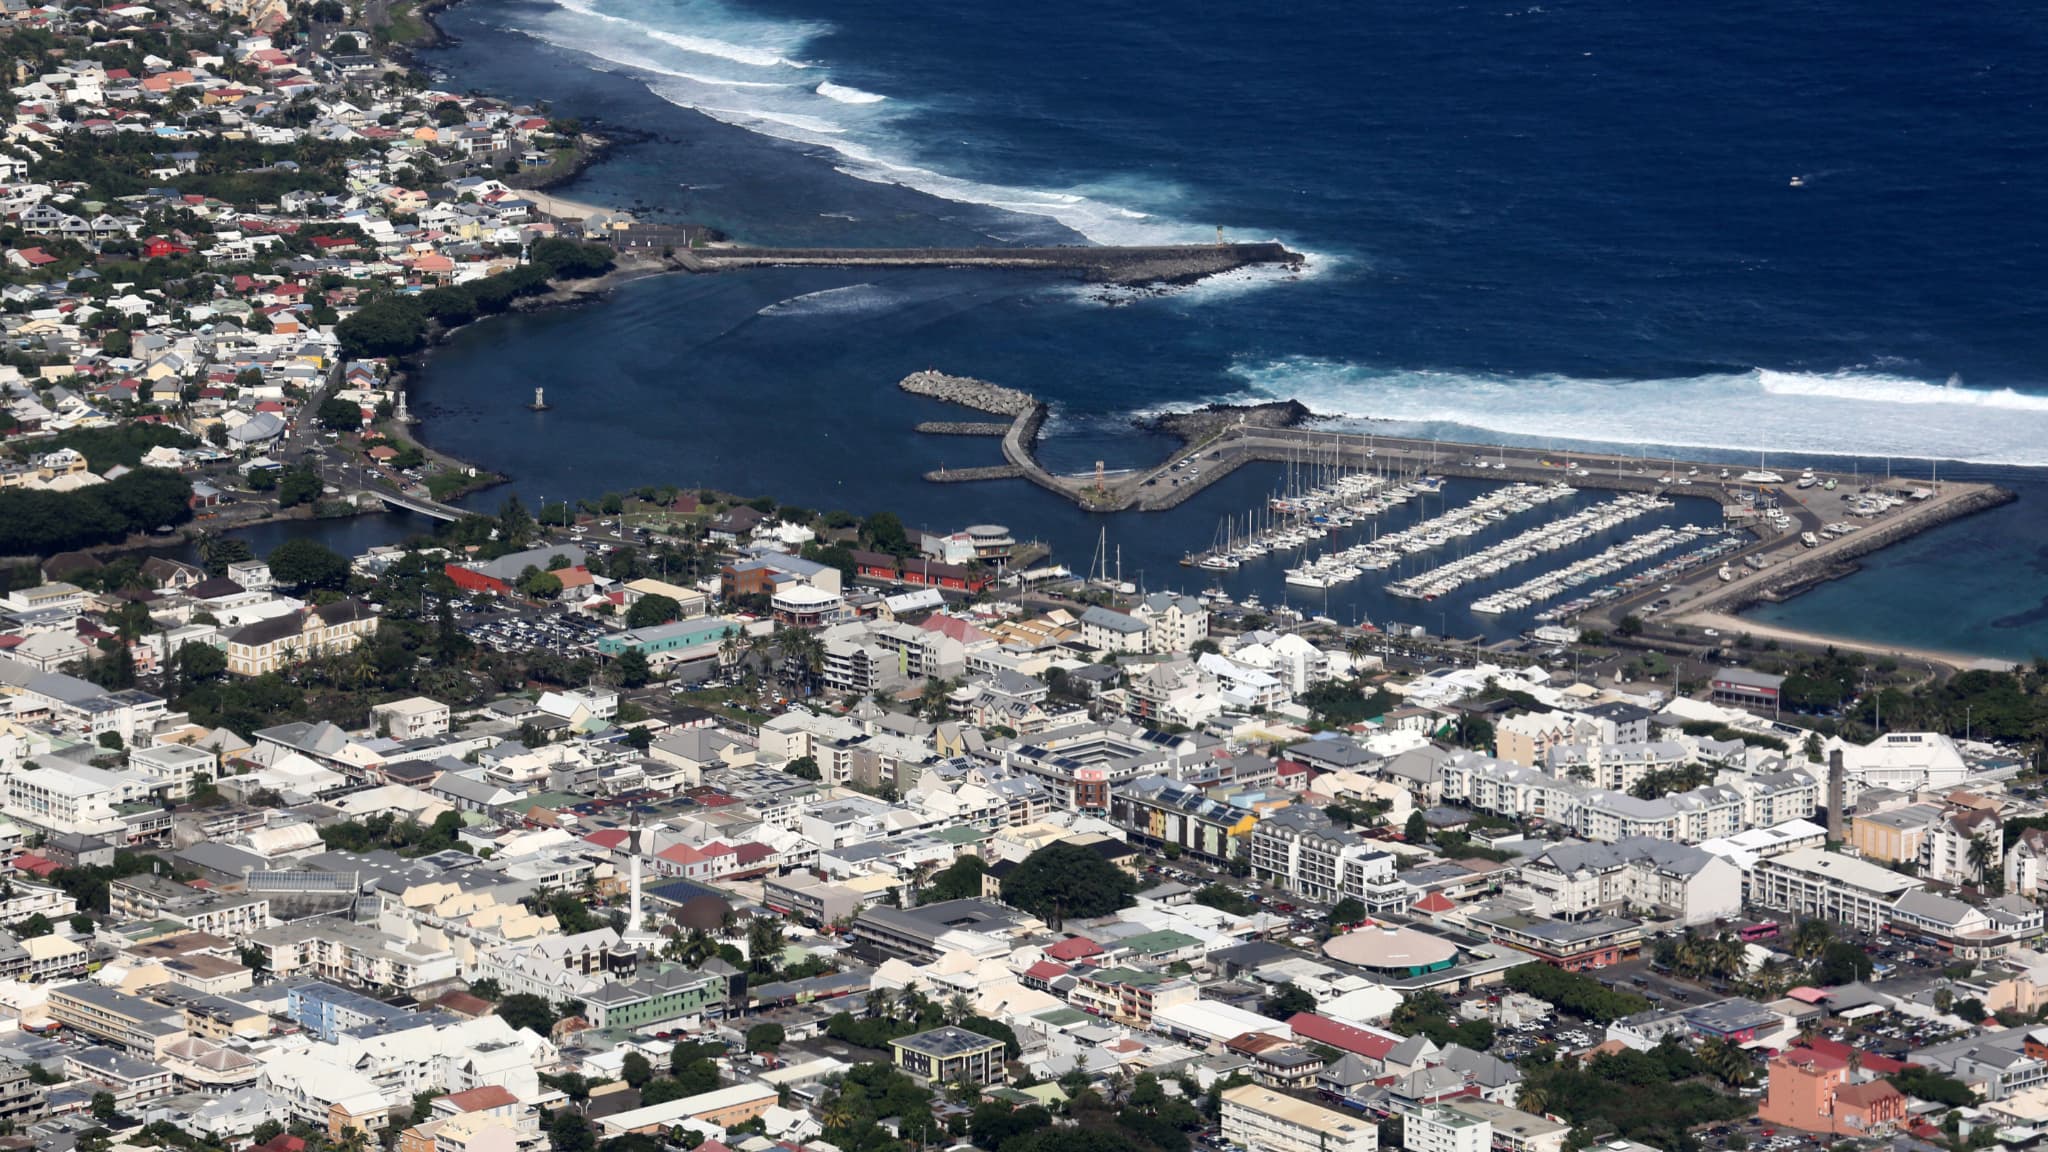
{"points": [[1569, 223]]}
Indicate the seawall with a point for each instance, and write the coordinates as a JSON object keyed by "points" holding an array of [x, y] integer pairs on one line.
{"points": [[1104, 265]]}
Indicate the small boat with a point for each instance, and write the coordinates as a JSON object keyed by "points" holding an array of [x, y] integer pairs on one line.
{"points": [[1727, 573], [1799, 182], [1809, 539]]}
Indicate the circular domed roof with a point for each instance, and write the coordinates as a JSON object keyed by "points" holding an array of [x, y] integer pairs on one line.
{"points": [[1388, 948]]}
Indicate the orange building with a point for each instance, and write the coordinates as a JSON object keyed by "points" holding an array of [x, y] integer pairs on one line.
{"points": [[1811, 1092]]}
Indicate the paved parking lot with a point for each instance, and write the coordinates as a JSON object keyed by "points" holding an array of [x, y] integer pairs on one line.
{"points": [[563, 635]]}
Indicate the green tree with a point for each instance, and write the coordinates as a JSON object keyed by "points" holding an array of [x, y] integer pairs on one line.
{"points": [[631, 665], [304, 565], [804, 767], [649, 611], [764, 1038], [570, 1132], [1416, 831], [960, 880], [1286, 1001], [636, 1070], [1348, 911], [1061, 880], [525, 1010], [298, 486], [338, 415]]}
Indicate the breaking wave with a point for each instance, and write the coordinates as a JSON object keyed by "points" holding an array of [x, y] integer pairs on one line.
{"points": [[1853, 412], [748, 72]]}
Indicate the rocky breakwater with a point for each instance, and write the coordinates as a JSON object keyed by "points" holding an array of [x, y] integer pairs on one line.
{"points": [[1026, 413], [1130, 266], [1205, 424], [968, 392]]}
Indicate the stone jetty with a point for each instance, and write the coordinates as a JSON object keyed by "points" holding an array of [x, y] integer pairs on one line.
{"points": [[1165, 264], [961, 428], [968, 392]]}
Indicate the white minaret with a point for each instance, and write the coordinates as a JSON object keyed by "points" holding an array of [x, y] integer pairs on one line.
{"points": [[633, 916]]}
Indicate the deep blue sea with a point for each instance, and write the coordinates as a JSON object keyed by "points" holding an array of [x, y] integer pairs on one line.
{"points": [[1559, 222]]}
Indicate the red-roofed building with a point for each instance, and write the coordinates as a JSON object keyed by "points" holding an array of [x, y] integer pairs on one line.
{"points": [[1042, 974], [752, 860], [35, 865], [608, 839], [1811, 1091], [1360, 1042], [954, 628], [489, 1098], [1436, 903], [1872, 1062], [156, 247], [1074, 948], [682, 860]]}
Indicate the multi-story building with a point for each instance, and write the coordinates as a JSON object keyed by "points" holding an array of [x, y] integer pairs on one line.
{"points": [[1263, 1120], [1965, 846], [1433, 1129], [1128, 995], [1300, 849], [1827, 886], [670, 993], [352, 953], [1813, 1092], [141, 1026], [146, 896], [282, 641], [950, 1055], [1569, 944], [128, 1079], [1576, 881], [1172, 623], [1893, 835], [1528, 738], [21, 1098], [1161, 811]]}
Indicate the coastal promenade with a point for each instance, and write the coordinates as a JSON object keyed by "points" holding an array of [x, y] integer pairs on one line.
{"points": [[1105, 265]]}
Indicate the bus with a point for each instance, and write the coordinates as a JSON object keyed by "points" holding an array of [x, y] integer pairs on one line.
{"points": [[1760, 930]]}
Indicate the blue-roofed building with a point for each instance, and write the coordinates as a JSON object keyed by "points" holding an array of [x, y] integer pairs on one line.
{"points": [[327, 1011]]}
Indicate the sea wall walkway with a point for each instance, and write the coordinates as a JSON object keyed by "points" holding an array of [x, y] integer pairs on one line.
{"points": [[1107, 265]]}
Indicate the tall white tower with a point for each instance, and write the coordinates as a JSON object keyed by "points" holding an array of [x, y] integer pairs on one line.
{"points": [[633, 914]]}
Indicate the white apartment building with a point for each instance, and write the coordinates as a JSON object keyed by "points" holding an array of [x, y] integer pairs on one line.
{"points": [[1827, 886], [1263, 1120], [77, 798], [1301, 850], [1445, 1130], [411, 718], [1172, 623]]}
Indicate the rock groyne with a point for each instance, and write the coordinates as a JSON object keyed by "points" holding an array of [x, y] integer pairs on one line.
{"points": [[961, 428], [968, 392], [1168, 264]]}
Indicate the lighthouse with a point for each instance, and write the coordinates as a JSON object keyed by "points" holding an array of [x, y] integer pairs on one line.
{"points": [[540, 403]]}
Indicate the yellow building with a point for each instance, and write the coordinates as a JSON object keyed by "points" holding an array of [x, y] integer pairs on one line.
{"points": [[1894, 836]]}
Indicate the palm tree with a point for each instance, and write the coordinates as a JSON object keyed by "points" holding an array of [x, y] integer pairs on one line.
{"points": [[958, 1008], [837, 1114], [1811, 938], [1979, 856], [1532, 1099]]}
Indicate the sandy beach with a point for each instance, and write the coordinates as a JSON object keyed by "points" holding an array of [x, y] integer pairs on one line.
{"points": [[564, 208], [1731, 626]]}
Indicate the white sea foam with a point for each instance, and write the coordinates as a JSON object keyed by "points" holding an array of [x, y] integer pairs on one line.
{"points": [[851, 122], [1848, 413], [848, 95], [851, 299]]}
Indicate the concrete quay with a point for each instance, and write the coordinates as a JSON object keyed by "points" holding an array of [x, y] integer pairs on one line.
{"points": [[1171, 264]]}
